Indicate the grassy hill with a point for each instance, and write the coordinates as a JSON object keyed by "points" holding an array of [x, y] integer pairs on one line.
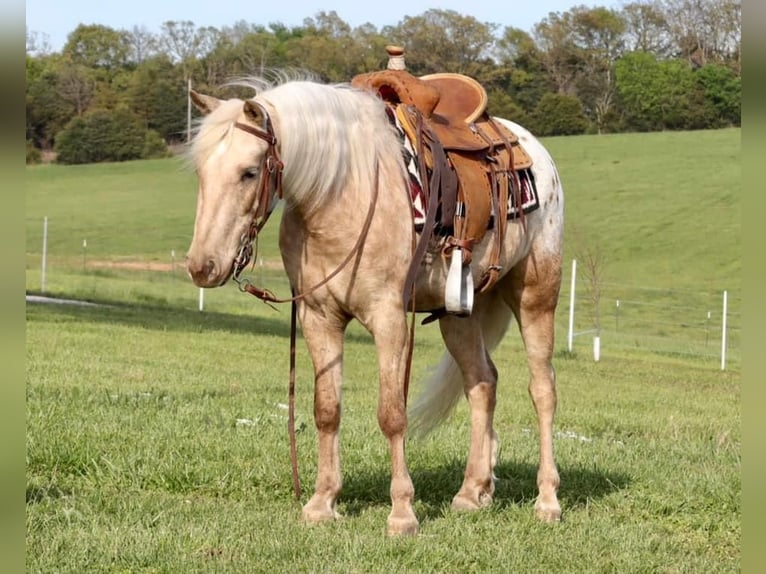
{"points": [[663, 209], [666, 207]]}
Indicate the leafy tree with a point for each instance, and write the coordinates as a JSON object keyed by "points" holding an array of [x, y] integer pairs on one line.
{"points": [[76, 85], [157, 95], [646, 28], [722, 90], [655, 94], [705, 31], [444, 40], [101, 135], [561, 56], [154, 146], [325, 47], [652, 64], [559, 115], [185, 44], [98, 47], [599, 33], [502, 105], [33, 153], [528, 80], [46, 111]]}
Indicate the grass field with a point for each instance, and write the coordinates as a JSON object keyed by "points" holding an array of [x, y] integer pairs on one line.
{"points": [[156, 436]]}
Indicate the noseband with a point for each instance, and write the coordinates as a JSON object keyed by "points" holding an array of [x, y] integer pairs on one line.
{"points": [[269, 191]]}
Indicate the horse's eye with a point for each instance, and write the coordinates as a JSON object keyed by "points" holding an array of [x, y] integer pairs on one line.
{"points": [[249, 174]]}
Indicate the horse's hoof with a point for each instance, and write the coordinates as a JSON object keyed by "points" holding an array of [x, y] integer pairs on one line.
{"points": [[402, 525], [318, 513], [548, 513], [463, 502]]}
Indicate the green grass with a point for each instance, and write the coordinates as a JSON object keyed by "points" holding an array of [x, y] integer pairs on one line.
{"points": [[156, 435], [156, 442]]}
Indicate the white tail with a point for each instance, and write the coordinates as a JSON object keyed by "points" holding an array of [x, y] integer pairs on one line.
{"points": [[443, 386]]}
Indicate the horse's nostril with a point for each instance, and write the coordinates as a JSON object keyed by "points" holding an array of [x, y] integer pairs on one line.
{"points": [[209, 268]]}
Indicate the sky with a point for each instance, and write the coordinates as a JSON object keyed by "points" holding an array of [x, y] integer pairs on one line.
{"points": [[55, 19]]}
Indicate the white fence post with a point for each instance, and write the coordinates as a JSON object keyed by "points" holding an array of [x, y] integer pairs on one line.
{"points": [[570, 335], [45, 253], [723, 329]]}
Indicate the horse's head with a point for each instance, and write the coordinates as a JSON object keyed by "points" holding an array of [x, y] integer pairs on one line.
{"points": [[236, 161]]}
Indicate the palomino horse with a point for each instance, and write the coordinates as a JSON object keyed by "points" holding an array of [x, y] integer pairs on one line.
{"points": [[343, 179]]}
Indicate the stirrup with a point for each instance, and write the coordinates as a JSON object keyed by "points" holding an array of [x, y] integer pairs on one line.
{"points": [[458, 293]]}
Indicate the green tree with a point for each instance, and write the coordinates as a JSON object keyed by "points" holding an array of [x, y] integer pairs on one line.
{"points": [[502, 105], [326, 47], [654, 94], [445, 41], [46, 111], [98, 47], [599, 34], [561, 56], [157, 95], [559, 115], [184, 44], [528, 79], [722, 92], [102, 135]]}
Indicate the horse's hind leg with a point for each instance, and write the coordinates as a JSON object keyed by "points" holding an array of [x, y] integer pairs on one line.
{"points": [[323, 333], [531, 289], [464, 339]]}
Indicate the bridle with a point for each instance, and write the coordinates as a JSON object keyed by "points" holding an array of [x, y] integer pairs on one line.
{"points": [[269, 192]]}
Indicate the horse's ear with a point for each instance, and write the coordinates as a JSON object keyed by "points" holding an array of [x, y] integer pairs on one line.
{"points": [[203, 103], [254, 112]]}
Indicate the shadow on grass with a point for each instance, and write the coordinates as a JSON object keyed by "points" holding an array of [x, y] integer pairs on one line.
{"points": [[164, 318], [516, 485], [38, 493]]}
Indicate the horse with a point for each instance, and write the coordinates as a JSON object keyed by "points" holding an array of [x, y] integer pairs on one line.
{"points": [[329, 152]]}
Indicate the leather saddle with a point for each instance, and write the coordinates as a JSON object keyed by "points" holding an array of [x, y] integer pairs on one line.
{"points": [[467, 160]]}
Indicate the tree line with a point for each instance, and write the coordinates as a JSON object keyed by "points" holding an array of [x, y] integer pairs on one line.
{"points": [[647, 65]]}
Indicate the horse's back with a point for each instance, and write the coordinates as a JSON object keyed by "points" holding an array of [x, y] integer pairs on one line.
{"points": [[547, 222]]}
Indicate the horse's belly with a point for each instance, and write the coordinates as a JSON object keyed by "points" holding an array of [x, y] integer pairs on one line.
{"points": [[432, 277]]}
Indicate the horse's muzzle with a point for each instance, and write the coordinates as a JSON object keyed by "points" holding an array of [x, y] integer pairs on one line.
{"points": [[206, 272]]}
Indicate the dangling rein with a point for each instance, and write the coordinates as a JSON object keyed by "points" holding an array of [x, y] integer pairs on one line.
{"points": [[270, 190]]}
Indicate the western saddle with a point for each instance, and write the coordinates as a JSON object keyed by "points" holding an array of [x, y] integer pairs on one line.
{"points": [[467, 164]]}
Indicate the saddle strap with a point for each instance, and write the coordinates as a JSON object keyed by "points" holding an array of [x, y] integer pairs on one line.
{"points": [[500, 182], [431, 191]]}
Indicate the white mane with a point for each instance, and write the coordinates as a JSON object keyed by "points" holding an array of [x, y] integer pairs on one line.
{"points": [[330, 136]]}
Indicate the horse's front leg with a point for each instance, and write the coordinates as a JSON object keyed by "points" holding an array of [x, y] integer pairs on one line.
{"points": [[389, 328], [323, 333]]}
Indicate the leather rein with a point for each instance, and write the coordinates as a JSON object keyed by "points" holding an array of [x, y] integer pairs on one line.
{"points": [[269, 192]]}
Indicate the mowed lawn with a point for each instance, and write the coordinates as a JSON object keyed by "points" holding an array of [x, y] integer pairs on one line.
{"points": [[156, 434]]}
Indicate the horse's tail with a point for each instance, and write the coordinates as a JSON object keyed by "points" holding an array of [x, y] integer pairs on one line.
{"points": [[443, 386]]}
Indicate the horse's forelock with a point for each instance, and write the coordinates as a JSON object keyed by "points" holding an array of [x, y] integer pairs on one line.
{"points": [[212, 128]]}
